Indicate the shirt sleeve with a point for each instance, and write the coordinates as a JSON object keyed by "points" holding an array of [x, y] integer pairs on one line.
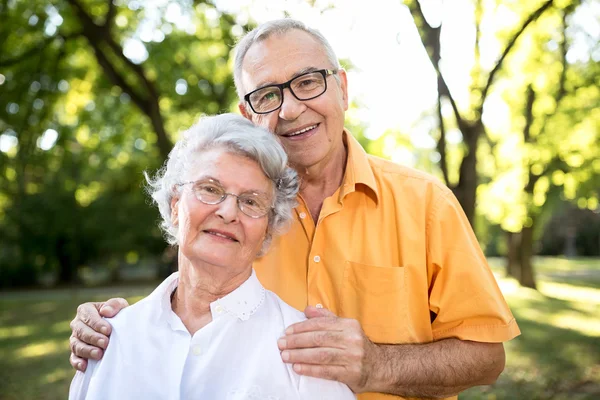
{"points": [[464, 293], [323, 389]]}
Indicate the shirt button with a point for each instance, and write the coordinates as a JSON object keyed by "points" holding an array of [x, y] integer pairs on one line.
{"points": [[317, 259], [196, 350], [219, 309], [302, 215], [319, 305]]}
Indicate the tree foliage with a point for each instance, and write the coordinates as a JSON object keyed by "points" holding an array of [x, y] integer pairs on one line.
{"points": [[92, 94], [546, 76]]}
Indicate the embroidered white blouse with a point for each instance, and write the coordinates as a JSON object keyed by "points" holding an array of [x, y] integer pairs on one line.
{"points": [[235, 357]]}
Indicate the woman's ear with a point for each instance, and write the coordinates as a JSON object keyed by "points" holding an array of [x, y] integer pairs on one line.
{"points": [[175, 210]]}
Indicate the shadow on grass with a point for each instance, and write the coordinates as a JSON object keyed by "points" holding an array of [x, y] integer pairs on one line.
{"points": [[34, 343], [546, 362], [591, 280]]}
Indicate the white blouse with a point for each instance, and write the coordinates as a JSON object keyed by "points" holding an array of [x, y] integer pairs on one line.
{"points": [[235, 357]]}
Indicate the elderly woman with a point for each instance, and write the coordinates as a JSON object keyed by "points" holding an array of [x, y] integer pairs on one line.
{"points": [[210, 330]]}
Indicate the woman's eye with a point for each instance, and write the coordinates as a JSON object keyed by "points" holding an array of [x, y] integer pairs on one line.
{"points": [[209, 189]]}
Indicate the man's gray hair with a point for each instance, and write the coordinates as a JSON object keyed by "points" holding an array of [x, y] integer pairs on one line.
{"points": [[237, 135], [265, 30]]}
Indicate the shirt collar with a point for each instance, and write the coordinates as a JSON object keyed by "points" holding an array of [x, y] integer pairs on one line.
{"points": [[358, 168], [242, 302], [165, 290]]}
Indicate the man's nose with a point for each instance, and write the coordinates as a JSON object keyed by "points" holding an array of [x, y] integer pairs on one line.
{"points": [[291, 108]]}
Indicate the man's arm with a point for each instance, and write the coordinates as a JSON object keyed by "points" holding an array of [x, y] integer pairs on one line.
{"points": [[89, 336], [329, 347]]}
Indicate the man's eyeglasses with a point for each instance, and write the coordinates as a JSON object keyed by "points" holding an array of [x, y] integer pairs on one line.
{"points": [[253, 204], [304, 87]]}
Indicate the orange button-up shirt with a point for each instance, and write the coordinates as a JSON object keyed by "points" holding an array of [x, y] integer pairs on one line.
{"points": [[393, 249]]}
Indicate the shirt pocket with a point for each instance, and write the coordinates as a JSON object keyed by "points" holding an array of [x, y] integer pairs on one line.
{"points": [[376, 297]]}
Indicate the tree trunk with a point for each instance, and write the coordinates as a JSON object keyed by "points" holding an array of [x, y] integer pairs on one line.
{"points": [[513, 255], [466, 189], [67, 264], [527, 277]]}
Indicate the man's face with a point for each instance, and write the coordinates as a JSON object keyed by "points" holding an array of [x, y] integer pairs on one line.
{"points": [[311, 130]]}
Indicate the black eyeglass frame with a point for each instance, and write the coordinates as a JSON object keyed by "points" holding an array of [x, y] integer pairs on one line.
{"points": [[224, 197], [325, 72]]}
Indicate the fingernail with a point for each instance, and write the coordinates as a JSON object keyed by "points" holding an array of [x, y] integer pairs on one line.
{"points": [[297, 368], [289, 331], [95, 353], [282, 343], [285, 355], [107, 309], [78, 366], [104, 330], [102, 343]]}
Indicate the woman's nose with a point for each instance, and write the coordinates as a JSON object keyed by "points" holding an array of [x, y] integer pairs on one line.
{"points": [[228, 209]]}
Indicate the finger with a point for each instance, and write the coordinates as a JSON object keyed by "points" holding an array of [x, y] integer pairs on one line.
{"points": [[316, 324], [87, 335], [83, 350], [314, 312], [318, 356], [333, 339], [112, 307], [330, 372], [89, 315], [78, 363]]}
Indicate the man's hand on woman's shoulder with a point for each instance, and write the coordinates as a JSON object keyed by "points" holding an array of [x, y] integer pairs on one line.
{"points": [[89, 336]]}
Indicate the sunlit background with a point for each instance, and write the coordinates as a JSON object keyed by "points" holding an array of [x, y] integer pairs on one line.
{"points": [[94, 92]]}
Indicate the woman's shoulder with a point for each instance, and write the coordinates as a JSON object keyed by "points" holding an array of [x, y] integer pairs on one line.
{"points": [[132, 316], [288, 313], [147, 309]]}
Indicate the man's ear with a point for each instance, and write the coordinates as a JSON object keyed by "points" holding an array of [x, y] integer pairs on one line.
{"points": [[344, 87], [244, 111]]}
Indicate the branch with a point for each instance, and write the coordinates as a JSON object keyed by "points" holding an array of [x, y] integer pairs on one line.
{"points": [[430, 38], [117, 79], [441, 144], [533, 17], [110, 15], [94, 34], [478, 15], [37, 49], [528, 114], [561, 91]]}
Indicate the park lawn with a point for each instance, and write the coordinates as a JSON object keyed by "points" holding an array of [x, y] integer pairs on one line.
{"points": [[556, 357]]}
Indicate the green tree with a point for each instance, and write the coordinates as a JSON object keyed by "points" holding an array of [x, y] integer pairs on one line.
{"points": [[469, 119], [551, 151], [91, 94]]}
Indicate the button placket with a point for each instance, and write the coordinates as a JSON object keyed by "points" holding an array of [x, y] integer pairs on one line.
{"points": [[196, 349]]}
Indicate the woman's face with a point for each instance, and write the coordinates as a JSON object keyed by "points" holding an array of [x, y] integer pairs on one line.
{"points": [[221, 235]]}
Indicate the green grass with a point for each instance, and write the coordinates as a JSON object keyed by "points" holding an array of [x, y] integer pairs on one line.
{"points": [[34, 333], [556, 357]]}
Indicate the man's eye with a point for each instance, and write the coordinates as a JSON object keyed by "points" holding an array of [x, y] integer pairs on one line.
{"points": [[268, 97], [308, 82]]}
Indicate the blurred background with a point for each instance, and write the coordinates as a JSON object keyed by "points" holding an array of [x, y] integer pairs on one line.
{"points": [[499, 99]]}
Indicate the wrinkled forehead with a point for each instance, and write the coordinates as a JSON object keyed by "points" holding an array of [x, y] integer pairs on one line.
{"points": [[280, 57], [229, 167]]}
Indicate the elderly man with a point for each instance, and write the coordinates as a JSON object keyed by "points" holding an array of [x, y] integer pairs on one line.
{"points": [[399, 297]]}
